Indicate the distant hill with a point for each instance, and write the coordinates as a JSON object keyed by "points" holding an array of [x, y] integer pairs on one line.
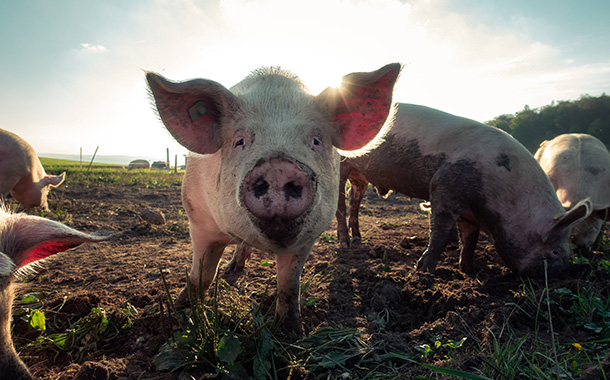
{"points": [[120, 160]]}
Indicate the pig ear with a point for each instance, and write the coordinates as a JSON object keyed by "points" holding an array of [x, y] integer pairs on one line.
{"points": [[192, 110], [361, 105], [26, 239], [6, 266], [575, 215], [55, 180]]}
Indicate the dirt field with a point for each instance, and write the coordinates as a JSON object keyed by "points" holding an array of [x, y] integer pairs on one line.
{"points": [[372, 287]]}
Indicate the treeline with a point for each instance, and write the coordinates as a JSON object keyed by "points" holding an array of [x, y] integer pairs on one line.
{"points": [[586, 115]]}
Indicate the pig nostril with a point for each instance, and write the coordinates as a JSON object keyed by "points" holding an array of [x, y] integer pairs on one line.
{"points": [[260, 187], [293, 190]]}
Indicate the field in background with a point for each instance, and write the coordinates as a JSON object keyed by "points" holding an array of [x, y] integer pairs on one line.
{"points": [[111, 173]]}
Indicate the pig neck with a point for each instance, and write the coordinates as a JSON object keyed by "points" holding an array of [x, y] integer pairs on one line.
{"points": [[12, 367]]}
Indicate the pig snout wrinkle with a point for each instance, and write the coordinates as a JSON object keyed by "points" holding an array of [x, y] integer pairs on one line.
{"points": [[276, 192]]}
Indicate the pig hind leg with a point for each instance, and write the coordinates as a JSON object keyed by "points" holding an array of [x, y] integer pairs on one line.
{"points": [[242, 254], [341, 215]]}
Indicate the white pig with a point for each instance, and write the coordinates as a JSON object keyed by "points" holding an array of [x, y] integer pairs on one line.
{"points": [[579, 167], [23, 240], [21, 173], [265, 167], [474, 175]]}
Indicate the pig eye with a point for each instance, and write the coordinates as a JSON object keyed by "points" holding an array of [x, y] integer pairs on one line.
{"points": [[315, 141], [239, 142], [555, 252]]}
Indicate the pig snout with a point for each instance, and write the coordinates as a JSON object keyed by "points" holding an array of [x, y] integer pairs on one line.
{"points": [[277, 192]]}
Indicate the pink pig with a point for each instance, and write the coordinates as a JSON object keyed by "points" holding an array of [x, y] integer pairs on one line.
{"points": [[265, 167], [21, 173]]}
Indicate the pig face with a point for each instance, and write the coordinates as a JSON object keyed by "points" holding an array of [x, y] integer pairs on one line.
{"points": [[553, 245], [33, 194], [276, 146]]}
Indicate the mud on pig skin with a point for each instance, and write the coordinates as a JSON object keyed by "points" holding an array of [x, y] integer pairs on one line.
{"points": [[265, 168], [25, 239], [578, 165], [21, 173], [474, 175]]}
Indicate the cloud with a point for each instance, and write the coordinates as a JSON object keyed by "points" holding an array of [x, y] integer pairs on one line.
{"points": [[92, 48]]}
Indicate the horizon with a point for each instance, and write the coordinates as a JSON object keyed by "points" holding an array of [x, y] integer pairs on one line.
{"points": [[73, 75]]}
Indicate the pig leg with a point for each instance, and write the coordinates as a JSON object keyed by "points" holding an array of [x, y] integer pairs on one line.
{"points": [[441, 225], [446, 209], [358, 189], [206, 257], [469, 236], [342, 232], [289, 269], [238, 262]]}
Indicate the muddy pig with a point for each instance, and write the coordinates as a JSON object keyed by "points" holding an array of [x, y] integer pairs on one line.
{"points": [[265, 168], [21, 173], [474, 175], [23, 240], [579, 167]]}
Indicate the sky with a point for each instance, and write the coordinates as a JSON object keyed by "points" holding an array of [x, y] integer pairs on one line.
{"points": [[72, 71]]}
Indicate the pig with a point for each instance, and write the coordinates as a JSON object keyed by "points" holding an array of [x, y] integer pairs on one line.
{"points": [[474, 175], [579, 167], [264, 166], [21, 173], [24, 240]]}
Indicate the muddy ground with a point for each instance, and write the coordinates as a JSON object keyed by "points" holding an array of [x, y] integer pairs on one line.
{"points": [[373, 287]]}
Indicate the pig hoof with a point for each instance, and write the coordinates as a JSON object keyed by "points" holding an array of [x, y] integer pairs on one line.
{"points": [[235, 267], [183, 299], [424, 266]]}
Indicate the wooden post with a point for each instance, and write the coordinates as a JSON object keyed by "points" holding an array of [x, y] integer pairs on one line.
{"points": [[176, 164], [93, 158], [168, 167], [81, 158]]}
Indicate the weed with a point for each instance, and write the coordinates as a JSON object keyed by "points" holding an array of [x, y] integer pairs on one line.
{"points": [[91, 334], [438, 348]]}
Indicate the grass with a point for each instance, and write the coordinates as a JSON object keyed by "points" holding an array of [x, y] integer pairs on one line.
{"points": [[102, 174]]}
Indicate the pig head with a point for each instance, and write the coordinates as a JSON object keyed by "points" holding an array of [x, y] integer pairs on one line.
{"points": [[579, 167], [265, 168], [23, 240], [21, 173]]}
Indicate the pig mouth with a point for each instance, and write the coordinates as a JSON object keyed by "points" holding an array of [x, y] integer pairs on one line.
{"points": [[282, 231]]}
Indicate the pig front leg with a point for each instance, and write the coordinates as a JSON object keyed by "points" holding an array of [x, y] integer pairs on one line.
{"points": [[206, 257], [287, 308], [444, 216], [469, 236]]}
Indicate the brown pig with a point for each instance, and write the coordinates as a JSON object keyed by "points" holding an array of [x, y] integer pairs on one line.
{"points": [[25, 239], [474, 175], [578, 165], [21, 173], [265, 168]]}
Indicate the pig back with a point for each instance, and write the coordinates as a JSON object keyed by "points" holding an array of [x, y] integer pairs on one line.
{"points": [[579, 167]]}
